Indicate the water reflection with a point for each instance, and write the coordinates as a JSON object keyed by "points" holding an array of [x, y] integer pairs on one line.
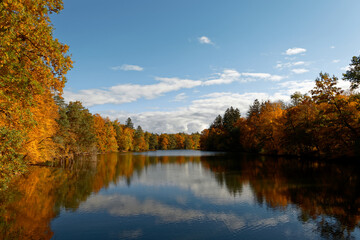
{"points": [[246, 194]]}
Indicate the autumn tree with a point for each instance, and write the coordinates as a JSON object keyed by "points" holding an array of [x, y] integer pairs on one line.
{"points": [[125, 141], [139, 140], [32, 71], [189, 142], [105, 134], [164, 142], [337, 122], [180, 141]]}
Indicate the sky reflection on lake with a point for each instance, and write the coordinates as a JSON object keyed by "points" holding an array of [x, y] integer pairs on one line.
{"points": [[184, 195]]}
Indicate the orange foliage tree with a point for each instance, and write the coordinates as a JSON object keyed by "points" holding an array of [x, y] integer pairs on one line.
{"points": [[32, 70]]}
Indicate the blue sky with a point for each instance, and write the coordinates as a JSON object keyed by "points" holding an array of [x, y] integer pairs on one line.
{"points": [[172, 66]]}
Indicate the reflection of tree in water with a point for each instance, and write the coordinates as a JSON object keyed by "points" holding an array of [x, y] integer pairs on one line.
{"points": [[33, 200], [326, 194]]}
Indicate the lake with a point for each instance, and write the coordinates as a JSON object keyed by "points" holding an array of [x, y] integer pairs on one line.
{"points": [[183, 195]]}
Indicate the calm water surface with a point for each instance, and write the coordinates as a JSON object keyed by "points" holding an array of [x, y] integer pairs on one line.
{"points": [[183, 195]]}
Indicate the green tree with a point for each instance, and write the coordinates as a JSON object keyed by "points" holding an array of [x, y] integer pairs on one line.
{"points": [[62, 137], [83, 138], [153, 142], [129, 123], [217, 123], [11, 161], [353, 74], [139, 139], [254, 109], [231, 116]]}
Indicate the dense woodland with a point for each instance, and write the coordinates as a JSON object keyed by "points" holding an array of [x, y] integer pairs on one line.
{"points": [[36, 125], [323, 123]]}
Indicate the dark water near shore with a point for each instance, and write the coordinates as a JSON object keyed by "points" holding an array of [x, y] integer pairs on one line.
{"points": [[183, 195]]}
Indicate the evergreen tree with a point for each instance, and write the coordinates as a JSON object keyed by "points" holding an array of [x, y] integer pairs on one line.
{"points": [[231, 116], [353, 74], [254, 109], [218, 122], [129, 123]]}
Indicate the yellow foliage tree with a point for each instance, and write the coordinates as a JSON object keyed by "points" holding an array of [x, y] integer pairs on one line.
{"points": [[105, 134], [32, 71]]}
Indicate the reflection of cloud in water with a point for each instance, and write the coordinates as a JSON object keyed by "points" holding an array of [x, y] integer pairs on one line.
{"points": [[173, 153], [131, 234], [192, 176], [128, 206]]}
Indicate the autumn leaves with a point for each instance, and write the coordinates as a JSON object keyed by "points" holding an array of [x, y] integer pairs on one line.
{"points": [[32, 71], [324, 123]]}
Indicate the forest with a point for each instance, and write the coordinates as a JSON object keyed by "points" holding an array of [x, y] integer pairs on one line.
{"points": [[36, 125], [323, 123]]}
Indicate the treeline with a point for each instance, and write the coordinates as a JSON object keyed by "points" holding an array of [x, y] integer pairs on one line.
{"points": [[323, 123], [80, 132]]}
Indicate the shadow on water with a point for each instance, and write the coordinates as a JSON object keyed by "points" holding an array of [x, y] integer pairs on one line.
{"points": [[327, 195]]}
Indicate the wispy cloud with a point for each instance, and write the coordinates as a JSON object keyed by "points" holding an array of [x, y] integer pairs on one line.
{"points": [[281, 65], [125, 93], [180, 97], [265, 76], [294, 51], [336, 61], [332, 47], [205, 40], [127, 206], [128, 67], [299, 70], [347, 68], [304, 86]]}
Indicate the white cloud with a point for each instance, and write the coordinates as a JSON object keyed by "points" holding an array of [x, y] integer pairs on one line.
{"points": [[226, 77], [127, 67], [303, 86], [180, 97], [332, 47], [129, 206], [265, 76], [195, 117], [294, 51], [299, 70], [335, 60], [205, 40], [281, 65], [125, 93], [289, 87], [347, 68]]}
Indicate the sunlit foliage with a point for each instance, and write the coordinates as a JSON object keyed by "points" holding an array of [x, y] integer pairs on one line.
{"points": [[32, 71], [324, 123]]}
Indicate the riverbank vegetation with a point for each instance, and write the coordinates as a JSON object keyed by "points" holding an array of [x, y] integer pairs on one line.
{"points": [[323, 123]]}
